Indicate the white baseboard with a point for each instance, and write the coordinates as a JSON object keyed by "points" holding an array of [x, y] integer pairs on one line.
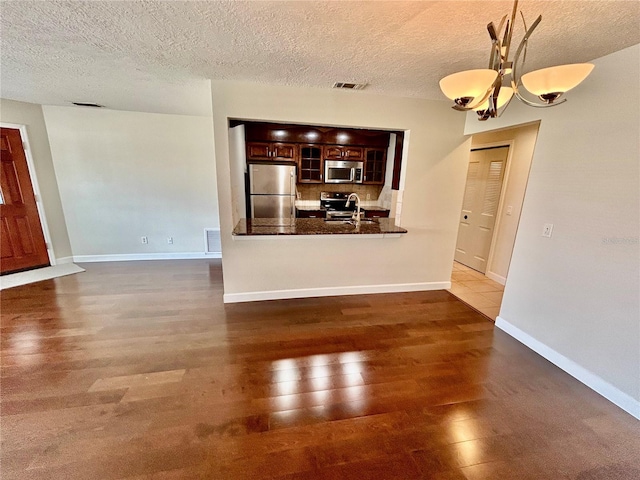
{"points": [[143, 256], [591, 380], [333, 291], [496, 278], [64, 260]]}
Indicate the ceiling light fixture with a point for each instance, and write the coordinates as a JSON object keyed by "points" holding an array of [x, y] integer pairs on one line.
{"points": [[482, 90]]}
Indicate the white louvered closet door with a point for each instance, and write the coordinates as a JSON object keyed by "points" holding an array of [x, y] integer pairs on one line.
{"points": [[480, 206]]}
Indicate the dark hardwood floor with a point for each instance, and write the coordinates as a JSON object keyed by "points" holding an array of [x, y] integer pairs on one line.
{"points": [[138, 370]]}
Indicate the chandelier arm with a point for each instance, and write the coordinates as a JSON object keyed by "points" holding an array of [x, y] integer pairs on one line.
{"points": [[496, 59], [523, 44], [493, 98], [524, 22], [501, 24], [524, 54], [494, 45], [515, 80], [484, 98], [516, 93], [508, 33]]}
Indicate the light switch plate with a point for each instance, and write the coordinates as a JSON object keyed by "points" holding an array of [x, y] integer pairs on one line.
{"points": [[547, 230]]}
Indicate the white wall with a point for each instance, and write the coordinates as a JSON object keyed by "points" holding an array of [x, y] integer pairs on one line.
{"points": [[30, 114], [575, 297], [435, 171], [123, 175], [522, 142]]}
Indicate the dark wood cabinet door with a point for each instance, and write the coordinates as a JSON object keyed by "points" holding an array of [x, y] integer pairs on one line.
{"points": [[311, 214], [338, 152], [333, 153], [258, 151], [271, 151], [21, 241], [283, 151], [352, 153], [375, 166], [376, 213], [311, 165]]}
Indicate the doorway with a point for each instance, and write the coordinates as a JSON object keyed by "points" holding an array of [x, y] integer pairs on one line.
{"points": [[481, 285], [480, 206], [22, 242]]}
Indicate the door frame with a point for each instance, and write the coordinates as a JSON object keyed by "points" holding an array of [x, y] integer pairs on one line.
{"points": [[503, 189], [34, 184]]}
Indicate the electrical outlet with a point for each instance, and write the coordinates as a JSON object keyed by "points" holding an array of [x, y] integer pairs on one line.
{"points": [[144, 240], [170, 240], [509, 209], [547, 229], [368, 196]]}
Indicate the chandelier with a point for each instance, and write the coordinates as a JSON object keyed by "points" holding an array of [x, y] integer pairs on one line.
{"points": [[484, 90]]}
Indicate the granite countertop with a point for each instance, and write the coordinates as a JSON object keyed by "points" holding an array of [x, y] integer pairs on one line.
{"points": [[313, 226]]}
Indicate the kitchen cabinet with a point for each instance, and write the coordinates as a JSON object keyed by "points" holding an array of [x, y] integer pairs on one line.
{"points": [[311, 165], [377, 213], [375, 164], [311, 213], [271, 151], [338, 152]]}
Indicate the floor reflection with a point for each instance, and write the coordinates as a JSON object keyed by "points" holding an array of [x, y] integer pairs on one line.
{"points": [[318, 385]]}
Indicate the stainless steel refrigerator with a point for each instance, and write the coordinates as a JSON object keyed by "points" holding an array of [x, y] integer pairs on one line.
{"points": [[272, 191]]}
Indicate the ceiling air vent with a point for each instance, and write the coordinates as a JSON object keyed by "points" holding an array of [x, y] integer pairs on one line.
{"points": [[86, 104], [349, 86]]}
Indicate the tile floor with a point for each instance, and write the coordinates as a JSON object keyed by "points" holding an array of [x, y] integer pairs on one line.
{"points": [[478, 291]]}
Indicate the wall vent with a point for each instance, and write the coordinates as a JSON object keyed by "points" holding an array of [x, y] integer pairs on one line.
{"points": [[212, 240], [349, 85]]}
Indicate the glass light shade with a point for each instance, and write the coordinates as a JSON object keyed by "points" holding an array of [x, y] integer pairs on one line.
{"points": [[469, 84], [558, 79], [503, 97]]}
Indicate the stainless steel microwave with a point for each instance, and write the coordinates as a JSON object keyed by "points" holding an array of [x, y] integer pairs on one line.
{"points": [[341, 171]]}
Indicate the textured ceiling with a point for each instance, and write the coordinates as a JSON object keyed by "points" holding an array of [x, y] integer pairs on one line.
{"points": [[156, 56]]}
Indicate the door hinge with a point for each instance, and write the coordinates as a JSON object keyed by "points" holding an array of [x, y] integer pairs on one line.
{"points": [[36, 197], [47, 245]]}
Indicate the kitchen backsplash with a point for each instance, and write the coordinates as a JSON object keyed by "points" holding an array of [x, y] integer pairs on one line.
{"points": [[312, 192]]}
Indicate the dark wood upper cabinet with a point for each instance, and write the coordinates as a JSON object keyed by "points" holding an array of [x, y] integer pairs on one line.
{"points": [[338, 152], [309, 145], [262, 132], [271, 151], [310, 168], [375, 165]]}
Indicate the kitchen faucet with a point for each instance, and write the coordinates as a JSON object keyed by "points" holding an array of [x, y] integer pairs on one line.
{"points": [[356, 213]]}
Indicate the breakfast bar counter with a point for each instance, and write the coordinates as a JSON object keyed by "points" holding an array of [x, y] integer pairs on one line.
{"points": [[315, 226]]}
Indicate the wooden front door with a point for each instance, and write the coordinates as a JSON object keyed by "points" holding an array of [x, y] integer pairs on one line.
{"points": [[22, 244], [480, 206]]}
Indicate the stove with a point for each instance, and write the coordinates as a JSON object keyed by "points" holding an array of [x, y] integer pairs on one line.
{"points": [[334, 203]]}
